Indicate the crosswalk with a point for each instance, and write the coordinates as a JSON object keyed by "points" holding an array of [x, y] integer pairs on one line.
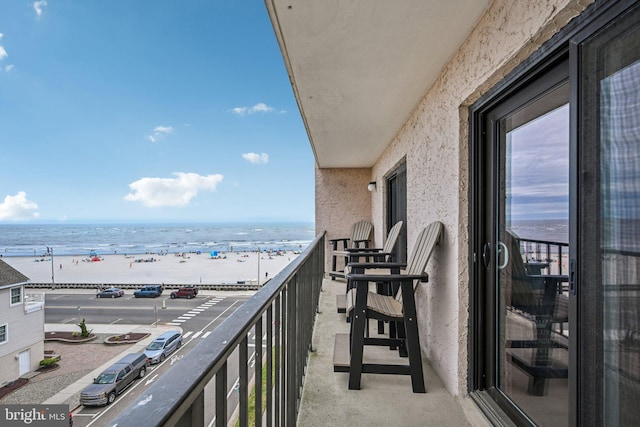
{"points": [[194, 312]]}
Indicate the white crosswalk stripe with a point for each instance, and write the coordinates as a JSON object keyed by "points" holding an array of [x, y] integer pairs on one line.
{"points": [[194, 312]]}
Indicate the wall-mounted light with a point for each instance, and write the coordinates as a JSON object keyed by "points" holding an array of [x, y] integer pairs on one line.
{"points": [[371, 186]]}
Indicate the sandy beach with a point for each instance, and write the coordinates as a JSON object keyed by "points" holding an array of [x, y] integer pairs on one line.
{"points": [[190, 268]]}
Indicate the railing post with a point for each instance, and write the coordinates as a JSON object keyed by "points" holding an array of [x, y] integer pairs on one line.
{"points": [[243, 382], [221, 396], [258, 372]]}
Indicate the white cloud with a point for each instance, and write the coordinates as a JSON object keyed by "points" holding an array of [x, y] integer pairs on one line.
{"points": [[18, 207], [9, 67], [160, 132], [3, 53], [178, 191], [38, 5], [258, 108], [259, 159]]}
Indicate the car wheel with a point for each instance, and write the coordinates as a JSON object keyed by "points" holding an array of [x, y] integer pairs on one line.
{"points": [[173, 296], [142, 372], [98, 296], [162, 357], [179, 345], [113, 296], [111, 397], [189, 296]]}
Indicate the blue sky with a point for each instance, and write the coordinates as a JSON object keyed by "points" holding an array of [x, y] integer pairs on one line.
{"points": [[148, 111]]}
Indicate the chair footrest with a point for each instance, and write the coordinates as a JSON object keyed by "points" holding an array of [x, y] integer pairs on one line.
{"points": [[341, 303], [341, 353]]}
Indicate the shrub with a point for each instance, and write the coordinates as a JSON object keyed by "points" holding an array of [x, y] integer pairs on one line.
{"points": [[84, 332], [49, 361]]}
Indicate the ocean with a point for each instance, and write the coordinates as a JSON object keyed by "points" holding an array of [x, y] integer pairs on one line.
{"points": [[107, 239]]}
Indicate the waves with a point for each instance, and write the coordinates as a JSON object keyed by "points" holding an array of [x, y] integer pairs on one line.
{"points": [[80, 239]]}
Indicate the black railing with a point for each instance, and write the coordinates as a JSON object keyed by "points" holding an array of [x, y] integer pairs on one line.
{"points": [[553, 254], [194, 391]]}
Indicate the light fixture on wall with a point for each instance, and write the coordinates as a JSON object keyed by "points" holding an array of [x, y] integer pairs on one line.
{"points": [[371, 186]]}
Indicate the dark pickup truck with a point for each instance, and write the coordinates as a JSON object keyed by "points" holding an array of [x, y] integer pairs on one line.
{"points": [[114, 380]]}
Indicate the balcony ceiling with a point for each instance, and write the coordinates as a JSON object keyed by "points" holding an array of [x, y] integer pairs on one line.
{"points": [[359, 68]]}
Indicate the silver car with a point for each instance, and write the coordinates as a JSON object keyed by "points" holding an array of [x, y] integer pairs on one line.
{"points": [[163, 346]]}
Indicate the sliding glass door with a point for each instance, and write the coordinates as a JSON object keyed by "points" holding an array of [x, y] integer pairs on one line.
{"points": [[525, 250], [608, 230], [555, 230]]}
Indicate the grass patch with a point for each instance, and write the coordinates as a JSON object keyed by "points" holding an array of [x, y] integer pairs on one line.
{"points": [[251, 416]]}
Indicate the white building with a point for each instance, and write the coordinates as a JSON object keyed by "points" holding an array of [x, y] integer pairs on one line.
{"points": [[21, 326]]}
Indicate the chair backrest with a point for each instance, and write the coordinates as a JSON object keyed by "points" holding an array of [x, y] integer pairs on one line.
{"points": [[422, 250], [361, 230], [392, 238]]}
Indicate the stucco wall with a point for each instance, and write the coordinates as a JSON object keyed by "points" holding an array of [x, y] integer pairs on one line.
{"points": [[435, 143], [342, 199]]}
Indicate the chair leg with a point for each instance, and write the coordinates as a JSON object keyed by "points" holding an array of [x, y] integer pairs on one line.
{"points": [[357, 337], [381, 289], [413, 340]]}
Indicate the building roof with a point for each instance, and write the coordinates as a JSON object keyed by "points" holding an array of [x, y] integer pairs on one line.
{"points": [[10, 276]]}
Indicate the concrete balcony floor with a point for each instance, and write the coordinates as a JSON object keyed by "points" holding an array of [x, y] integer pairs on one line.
{"points": [[384, 400]]}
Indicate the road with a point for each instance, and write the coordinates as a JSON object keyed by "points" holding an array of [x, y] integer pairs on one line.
{"points": [[197, 317]]}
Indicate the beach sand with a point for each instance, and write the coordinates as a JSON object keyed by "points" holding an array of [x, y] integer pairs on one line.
{"points": [[190, 268]]}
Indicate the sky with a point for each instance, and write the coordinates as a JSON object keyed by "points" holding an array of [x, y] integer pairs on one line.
{"points": [[115, 110], [538, 171]]}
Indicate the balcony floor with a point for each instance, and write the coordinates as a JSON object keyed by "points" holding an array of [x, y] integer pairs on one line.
{"points": [[384, 400]]}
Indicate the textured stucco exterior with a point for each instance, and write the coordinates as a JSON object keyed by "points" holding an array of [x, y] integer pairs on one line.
{"points": [[342, 199], [434, 141]]}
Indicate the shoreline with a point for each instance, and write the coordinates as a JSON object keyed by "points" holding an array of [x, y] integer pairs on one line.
{"points": [[188, 268]]}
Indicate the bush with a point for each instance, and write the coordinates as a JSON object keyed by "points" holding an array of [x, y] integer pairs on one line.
{"points": [[49, 361], [84, 332]]}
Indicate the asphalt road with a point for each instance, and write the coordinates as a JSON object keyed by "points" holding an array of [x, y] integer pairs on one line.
{"points": [[197, 317]]}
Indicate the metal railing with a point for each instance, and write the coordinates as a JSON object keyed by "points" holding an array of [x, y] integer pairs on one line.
{"points": [[551, 253], [193, 392]]}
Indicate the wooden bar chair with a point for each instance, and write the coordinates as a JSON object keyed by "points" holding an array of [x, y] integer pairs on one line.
{"points": [[363, 305], [360, 236]]}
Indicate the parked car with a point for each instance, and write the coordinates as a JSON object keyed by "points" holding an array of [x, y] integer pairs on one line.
{"points": [[185, 292], [163, 346], [110, 293], [114, 380], [195, 290], [149, 291]]}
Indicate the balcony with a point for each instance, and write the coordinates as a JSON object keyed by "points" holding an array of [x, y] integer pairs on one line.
{"points": [[296, 314], [33, 302]]}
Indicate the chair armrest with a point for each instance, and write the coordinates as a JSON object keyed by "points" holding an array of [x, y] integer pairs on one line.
{"points": [[341, 239], [388, 277], [363, 249], [371, 265]]}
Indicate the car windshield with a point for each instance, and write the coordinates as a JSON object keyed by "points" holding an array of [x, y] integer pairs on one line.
{"points": [[155, 345], [105, 379]]}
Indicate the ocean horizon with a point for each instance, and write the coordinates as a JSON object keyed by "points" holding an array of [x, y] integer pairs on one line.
{"points": [[108, 238]]}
